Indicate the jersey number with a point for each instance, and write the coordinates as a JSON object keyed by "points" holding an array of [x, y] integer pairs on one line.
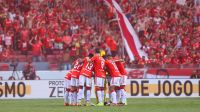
{"points": [[115, 66], [102, 64], [89, 66]]}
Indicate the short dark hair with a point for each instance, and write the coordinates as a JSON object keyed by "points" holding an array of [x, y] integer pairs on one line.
{"points": [[107, 56], [97, 50], [114, 54], [90, 55]]}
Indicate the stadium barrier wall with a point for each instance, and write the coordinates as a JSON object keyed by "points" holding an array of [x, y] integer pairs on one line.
{"points": [[138, 88], [132, 74]]}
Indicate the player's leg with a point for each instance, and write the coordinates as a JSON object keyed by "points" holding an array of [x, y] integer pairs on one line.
{"points": [[80, 90], [73, 91], [118, 92], [71, 94], [98, 90], [112, 91], [76, 92], [88, 90], [103, 89], [88, 95], [123, 90], [98, 85], [70, 97], [66, 94], [115, 82], [109, 88]]}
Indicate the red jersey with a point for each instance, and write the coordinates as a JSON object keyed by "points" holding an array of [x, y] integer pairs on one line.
{"points": [[112, 68], [87, 68], [68, 75], [99, 64], [36, 48], [120, 66], [76, 70]]}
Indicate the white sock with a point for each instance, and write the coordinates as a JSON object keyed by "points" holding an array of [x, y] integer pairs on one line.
{"points": [[118, 92], [66, 97], [110, 97], [113, 95], [123, 95], [74, 97], [70, 97], [83, 93], [88, 94], [99, 96], [102, 96], [80, 95]]}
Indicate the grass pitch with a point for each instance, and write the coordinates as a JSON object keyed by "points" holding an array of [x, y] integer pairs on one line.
{"points": [[134, 105]]}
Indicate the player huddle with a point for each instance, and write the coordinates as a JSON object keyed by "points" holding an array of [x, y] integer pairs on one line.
{"points": [[78, 81]]}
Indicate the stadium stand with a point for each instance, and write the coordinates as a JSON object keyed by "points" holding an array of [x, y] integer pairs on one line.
{"points": [[4, 67], [56, 28]]}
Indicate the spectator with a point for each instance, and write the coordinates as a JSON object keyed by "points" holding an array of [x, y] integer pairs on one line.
{"points": [[196, 75], [24, 47], [36, 49], [5, 55], [66, 60], [29, 72], [157, 23]]}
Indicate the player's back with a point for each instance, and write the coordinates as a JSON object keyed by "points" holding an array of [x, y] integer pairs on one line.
{"points": [[76, 69], [99, 65], [112, 68], [120, 66], [87, 68], [68, 75]]}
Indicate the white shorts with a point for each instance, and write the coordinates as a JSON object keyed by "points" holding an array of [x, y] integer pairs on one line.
{"points": [[83, 80], [123, 80], [74, 82], [67, 84], [99, 81], [115, 81]]}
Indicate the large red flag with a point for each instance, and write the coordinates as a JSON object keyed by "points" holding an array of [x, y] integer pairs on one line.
{"points": [[131, 40]]}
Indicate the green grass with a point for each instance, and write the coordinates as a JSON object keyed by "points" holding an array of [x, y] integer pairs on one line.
{"points": [[134, 105]]}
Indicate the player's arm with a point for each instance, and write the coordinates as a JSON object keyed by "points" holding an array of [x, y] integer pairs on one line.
{"points": [[119, 60], [91, 60], [30, 41], [107, 71], [82, 60]]}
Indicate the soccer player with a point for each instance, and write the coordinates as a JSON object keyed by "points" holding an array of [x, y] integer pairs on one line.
{"points": [[85, 79], [121, 92], [74, 81], [115, 78], [100, 75], [67, 88]]}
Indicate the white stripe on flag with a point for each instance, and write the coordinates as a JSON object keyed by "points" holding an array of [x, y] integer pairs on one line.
{"points": [[130, 54], [135, 37], [132, 43]]}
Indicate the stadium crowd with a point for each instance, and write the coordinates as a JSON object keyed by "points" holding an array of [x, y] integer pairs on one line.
{"points": [[168, 30]]}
